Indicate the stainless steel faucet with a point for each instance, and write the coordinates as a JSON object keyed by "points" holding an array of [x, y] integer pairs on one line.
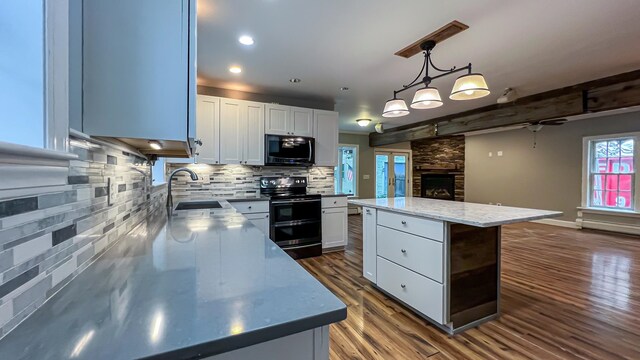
{"points": [[194, 177]]}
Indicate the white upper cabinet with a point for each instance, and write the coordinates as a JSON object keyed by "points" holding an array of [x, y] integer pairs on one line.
{"points": [[254, 134], [277, 119], [208, 129], [241, 132], [288, 120], [326, 137], [231, 126], [139, 69], [301, 121]]}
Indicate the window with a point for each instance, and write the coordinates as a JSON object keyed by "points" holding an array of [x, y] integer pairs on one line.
{"points": [[22, 72], [34, 70], [346, 173], [158, 174], [611, 165]]}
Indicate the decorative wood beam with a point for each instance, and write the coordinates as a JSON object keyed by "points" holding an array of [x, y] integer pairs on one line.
{"points": [[614, 92]]}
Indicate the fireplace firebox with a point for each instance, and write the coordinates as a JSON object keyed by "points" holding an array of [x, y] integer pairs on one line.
{"points": [[438, 186]]}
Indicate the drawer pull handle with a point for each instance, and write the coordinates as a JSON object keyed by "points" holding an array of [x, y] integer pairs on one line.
{"points": [[368, 211], [335, 202], [404, 222], [249, 207], [403, 286], [404, 251]]}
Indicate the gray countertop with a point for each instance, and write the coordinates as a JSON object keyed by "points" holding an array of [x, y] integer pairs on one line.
{"points": [[191, 285], [457, 212]]}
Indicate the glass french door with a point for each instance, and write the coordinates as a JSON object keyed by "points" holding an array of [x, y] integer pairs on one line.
{"points": [[392, 174]]}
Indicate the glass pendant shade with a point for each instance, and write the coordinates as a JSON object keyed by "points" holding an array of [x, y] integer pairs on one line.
{"points": [[395, 108], [469, 87], [363, 122], [427, 98]]}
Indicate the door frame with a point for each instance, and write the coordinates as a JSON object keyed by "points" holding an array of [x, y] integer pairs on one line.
{"points": [[391, 151]]}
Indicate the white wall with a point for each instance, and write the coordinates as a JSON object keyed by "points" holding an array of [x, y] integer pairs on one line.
{"points": [[22, 71]]}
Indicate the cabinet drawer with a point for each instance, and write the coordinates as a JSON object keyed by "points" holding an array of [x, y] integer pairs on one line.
{"points": [[417, 291], [422, 255], [432, 229], [249, 207], [334, 201]]}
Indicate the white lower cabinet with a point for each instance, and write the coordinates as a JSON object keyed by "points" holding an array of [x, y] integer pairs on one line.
{"points": [[334, 227], [422, 255], [415, 290], [256, 211], [369, 251], [260, 220], [307, 345]]}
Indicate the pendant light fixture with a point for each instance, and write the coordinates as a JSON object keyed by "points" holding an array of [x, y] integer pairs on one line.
{"points": [[466, 87]]}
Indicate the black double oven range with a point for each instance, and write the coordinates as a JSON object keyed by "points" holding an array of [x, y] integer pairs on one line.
{"points": [[295, 216]]}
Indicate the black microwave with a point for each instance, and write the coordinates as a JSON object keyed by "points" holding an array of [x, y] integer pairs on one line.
{"points": [[289, 150]]}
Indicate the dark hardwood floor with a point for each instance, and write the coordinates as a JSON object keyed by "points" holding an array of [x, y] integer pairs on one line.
{"points": [[566, 294]]}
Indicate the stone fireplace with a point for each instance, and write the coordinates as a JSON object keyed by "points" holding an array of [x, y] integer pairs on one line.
{"points": [[438, 163], [438, 186]]}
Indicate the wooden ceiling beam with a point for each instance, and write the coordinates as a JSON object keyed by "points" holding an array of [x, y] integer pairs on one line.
{"points": [[614, 92]]}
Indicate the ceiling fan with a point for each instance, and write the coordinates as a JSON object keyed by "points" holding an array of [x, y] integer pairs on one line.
{"points": [[536, 126]]}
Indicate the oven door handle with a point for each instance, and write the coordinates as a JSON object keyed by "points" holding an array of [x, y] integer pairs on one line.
{"points": [[294, 201], [295, 223], [300, 247]]}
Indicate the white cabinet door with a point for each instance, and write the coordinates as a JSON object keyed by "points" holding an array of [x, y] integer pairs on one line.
{"points": [[301, 121], [334, 227], [326, 135], [208, 129], [277, 118], [369, 244], [231, 127], [254, 133], [260, 220], [137, 86]]}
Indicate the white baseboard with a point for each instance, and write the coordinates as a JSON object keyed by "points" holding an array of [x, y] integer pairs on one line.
{"points": [[555, 222], [621, 228]]}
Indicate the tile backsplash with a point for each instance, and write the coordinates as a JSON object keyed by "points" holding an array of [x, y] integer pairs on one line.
{"points": [[238, 180], [49, 235]]}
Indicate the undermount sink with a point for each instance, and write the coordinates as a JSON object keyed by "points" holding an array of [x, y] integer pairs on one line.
{"points": [[195, 205]]}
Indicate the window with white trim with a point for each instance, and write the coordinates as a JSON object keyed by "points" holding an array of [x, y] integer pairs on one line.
{"points": [[611, 172], [34, 68], [345, 173]]}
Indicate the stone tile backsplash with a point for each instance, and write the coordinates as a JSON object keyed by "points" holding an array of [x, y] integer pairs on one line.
{"points": [[239, 180], [51, 235]]}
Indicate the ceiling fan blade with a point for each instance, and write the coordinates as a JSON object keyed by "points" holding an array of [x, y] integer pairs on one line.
{"points": [[553, 122]]}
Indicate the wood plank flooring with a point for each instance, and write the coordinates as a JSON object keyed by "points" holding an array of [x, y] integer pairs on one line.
{"points": [[566, 294]]}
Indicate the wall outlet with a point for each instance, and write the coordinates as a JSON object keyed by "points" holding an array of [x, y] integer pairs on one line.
{"points": [[112, 191], [499, 204], [366, 177], [500, 153], [490, 154]]}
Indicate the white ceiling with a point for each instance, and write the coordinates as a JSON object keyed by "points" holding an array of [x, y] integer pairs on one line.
{"points": [[532, 46]]}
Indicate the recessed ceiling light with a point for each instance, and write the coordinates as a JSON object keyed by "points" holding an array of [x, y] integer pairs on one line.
{"points": [[235, 69], [295, 80], [344, 88], [245, 40]]}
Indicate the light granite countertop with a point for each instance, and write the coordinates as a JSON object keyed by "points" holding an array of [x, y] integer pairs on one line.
{"points": [[186, 286], [473, 214]]}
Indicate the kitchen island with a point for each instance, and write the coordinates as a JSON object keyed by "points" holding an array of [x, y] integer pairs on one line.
{"points": [[185, 285], [440, 258]]}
